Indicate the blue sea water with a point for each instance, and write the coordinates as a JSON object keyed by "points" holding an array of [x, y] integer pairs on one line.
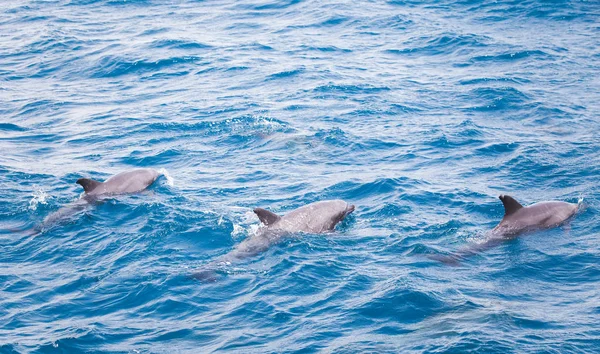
{"points": [[418, 112]]}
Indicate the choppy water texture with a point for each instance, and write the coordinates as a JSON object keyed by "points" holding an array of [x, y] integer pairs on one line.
{"points": [[419, 113]]}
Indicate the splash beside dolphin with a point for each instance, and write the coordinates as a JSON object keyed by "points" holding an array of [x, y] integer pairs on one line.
{"points": [[315, 218], [517, 220]]}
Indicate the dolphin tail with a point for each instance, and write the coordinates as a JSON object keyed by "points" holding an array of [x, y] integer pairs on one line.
{"points": [[208, 273], [206, 276], [455, 258], [451, 260], [349, 209], [32, 231]]}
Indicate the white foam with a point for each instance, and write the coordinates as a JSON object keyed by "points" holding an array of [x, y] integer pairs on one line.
{"points": [[170, 180], [254, 229], [237, 230], [39, 197]]}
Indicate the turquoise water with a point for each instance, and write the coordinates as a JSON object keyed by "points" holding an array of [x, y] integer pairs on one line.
{"points": [[419, 113]]}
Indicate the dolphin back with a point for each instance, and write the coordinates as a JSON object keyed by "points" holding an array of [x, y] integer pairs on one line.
{"points": [[127, 182], [542, 215], [317, 217]]}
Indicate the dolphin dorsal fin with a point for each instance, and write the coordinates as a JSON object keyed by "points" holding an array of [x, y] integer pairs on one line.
{"points": [[510, 204], [88, 184], [266, 217]]}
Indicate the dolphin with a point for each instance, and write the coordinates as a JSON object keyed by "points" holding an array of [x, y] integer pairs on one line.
{"points": [[518, 220], [543, 215], [129, 182], [316, 218], [123, 183]]}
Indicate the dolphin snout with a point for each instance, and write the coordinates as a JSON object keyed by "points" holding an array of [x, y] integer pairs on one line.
{"points": [[350, 209]]}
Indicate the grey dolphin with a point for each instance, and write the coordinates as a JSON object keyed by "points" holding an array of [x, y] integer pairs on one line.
{"points": [[315, 218], [518, 220], [123, 183], [543, 215]]}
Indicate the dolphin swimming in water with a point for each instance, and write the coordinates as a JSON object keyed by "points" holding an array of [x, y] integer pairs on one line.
{"points": [[518, 220], [315, 218], [123, 183]]}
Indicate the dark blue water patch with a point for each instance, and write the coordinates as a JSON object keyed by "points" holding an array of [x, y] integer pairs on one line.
{"points": [[18, 9], [344, 92], [468, 129], [237, 68], [179, 44], [199, 229], [350, 89], [326, 49], [9, 348], [49, 107], [499, 99], [285, 74], [390, 330], [154, 31], [471, 341], [512, 57], [396, 108], [333, 137], [496, 149], [54, 42], [244, 26], [532, 162], [387, 211], [332, 21], [401, 306], [164, 76], [568, 270], [487, 12], [446, 230], [113, 66], [311, 278], [379, 187], [376, 144], [296, 107], [274, 5], [124, 3], [83, 2], [444, 44], [544, 115], [437, 141], [502, 81], [11, 127], [35, 18], [257, 176], [396, 22], [252, 46], [160, 158]]}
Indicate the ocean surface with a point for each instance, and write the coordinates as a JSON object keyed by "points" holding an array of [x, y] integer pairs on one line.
{"points": [[420, 113]]}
